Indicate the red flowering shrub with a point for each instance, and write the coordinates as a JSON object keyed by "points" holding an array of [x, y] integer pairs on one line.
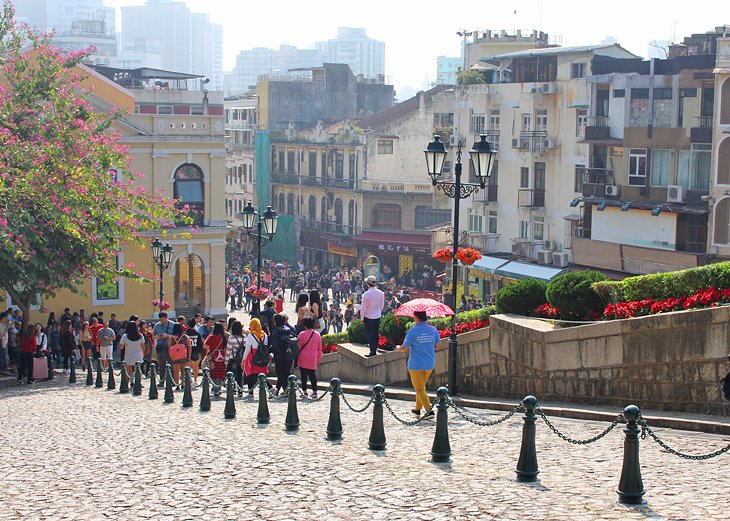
{"points": [[329, 348], [704, 298], [546, 311]]}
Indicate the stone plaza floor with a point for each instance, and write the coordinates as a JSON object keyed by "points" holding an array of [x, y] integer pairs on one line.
{"points": [[79, 453]]}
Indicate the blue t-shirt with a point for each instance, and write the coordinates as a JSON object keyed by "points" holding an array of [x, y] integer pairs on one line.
{"points": [[421, 340]]}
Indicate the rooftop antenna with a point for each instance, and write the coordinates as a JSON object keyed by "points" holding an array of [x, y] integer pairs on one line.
{"points": [[514, 22]]}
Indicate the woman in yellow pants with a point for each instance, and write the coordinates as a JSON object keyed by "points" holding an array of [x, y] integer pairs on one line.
{"points": [[421, 342]]}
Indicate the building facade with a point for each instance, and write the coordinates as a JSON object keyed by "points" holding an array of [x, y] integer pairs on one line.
{"points": [[720, 189], [241, 125], [352, 46]]}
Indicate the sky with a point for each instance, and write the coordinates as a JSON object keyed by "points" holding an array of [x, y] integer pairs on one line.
{"points": [[416, 33]]}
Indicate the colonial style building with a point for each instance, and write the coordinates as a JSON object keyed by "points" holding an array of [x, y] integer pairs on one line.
{"points": [[240, 124], [720, 190]]}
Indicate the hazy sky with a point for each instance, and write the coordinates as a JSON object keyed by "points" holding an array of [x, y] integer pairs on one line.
{"points": [[415, 33]]}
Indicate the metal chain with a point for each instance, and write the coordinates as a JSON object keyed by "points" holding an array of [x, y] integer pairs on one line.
{"points": [[646, 430], [367, 406], [483, 423], [282, 396], [574, 441], [301, 392], [404, 422]]}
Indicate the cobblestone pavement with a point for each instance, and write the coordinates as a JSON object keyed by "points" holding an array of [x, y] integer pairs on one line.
{"points": [[81, 453]]}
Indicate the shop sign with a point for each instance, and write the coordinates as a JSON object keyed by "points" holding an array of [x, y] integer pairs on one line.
{"points": [[335, 248]]}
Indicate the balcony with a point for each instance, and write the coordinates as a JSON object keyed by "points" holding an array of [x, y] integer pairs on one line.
{"points": [[493, 138], [595, 181], [531, 197], [330, 227], [533, 141], [701, 130], [597, 128], [396, 187], [306, 180], [487, 194]]}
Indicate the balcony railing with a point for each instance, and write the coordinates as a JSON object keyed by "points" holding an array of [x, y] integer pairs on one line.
{"points": [[493, 138], [487, 194], [396, 187], [332, 227], [595, 181], [306, 180], [597, 121], [532, 197], [702, 121], [534, 141]]}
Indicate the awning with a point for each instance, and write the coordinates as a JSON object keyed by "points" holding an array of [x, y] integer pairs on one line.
{"points": [[395, 242], [489, 264], [579, 105], [521, 270]]}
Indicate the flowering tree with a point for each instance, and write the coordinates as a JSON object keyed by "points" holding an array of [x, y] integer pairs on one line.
{"points": [[64, 211]]}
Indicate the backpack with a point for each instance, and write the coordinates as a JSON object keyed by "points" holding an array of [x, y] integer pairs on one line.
{"points": [[260, 357], [726, 387], [290, 344]]}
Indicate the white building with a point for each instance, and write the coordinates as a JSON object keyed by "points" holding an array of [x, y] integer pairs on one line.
{"points": [[240, 124], [352, 46]]}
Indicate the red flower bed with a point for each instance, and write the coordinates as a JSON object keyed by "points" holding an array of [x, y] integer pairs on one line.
{"points": [[705, 298], [546, 311], [464, 328], [329, 348]]}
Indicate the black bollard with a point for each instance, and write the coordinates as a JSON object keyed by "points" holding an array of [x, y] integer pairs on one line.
{"points": [[334, 424], [163, 376], [153, 394], [631, 487], [169, 394], [187, 400], [441, 448], [137, 384], [111, 384], [291, 423], [205, 395], [377, 430], [72, 373], [124, 381], [89, 372], [230, 410], [99, 371], [527, 463], [262, 415]]}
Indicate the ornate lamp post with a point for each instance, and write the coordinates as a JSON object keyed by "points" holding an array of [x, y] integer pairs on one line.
{"points": [[481, 155], [266, 224], [162, 256]]}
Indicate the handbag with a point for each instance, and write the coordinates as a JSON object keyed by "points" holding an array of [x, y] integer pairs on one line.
{"points": [[178, 352]]}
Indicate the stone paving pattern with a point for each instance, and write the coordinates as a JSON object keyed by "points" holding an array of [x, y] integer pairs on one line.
{"points": [[81, 453]]}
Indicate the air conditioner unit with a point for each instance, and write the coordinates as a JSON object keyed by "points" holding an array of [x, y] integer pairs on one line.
{"points": [[453, 140], [561, 259], [548, 143], [612, 190], [544, 257], [515, 142], [548, 88], [549, 245], [676, 194], [516, 249], [536, 90]]}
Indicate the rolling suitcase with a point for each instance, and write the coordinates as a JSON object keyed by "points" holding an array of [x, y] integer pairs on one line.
{"points": [[40, 368]]}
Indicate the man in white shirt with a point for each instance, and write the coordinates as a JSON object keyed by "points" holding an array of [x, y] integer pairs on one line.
{"points": [[371, 308]]}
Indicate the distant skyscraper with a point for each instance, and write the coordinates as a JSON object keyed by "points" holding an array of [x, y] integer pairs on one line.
{"points": [[185, 41], [363, 54], [447, 68]]}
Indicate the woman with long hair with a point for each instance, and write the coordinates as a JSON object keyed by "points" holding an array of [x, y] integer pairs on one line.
{"points": [[302, 310], [215, 350], [255, 339], [196, 350], [27, 348], [135, 346], [67, 343], [234, 353], [315, 304], [87, 341], [310, 353], [178, 364]]}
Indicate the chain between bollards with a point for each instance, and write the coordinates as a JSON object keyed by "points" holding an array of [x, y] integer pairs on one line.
{"points": [[153, 393], [187, 400], [353, 409], [441, 448], [527, 469], [562, 436], [483, 423], [291, 423], [137, 375], [645, 430], [262, 415], [169, 394], [205, 394], [631, 487], [334, 423], [72, 372], [377, 441]]}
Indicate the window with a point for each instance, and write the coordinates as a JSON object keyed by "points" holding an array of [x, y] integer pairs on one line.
{"points": [[386, 216], [492, 222], [353, 163], [525, 177], [541, 120], [312, 166], [426, 217], [290, 162], [281, 162], [323, 165], [524, 228], [476, 223], [637, 167], [290, 210], [385, 146], [443, 119], [581, 122], [578, 179], [494, 119], [196, 110], [109, 293], [539, 183], [339, 165], [188, 190], [639, 108], [660, 161], [619, 93], [526, 122], [663, 93], [351, 213], [477, 123], [578, 70], [339, 214], [538, 228], [164, 109], [312, 208], [701, 155]]}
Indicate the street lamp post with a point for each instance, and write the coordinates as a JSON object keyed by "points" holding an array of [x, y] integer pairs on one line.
{"points": [[163, 257], [481, 156], [266, 224]]}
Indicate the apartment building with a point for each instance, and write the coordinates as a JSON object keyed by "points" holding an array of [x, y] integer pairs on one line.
{"points": [[719, 198], [240, 127]]}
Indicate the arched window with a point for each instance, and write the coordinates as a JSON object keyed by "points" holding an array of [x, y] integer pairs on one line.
{"points": [[723, 162], [338, 214], [290, 204], [323, 209], [725, 103], [312, 207], [386, 216], [351, 213], [722, 220], [282, 203], [189, 190]]}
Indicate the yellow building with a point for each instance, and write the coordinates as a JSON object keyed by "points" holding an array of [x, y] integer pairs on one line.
{"points": [[176, 139]]}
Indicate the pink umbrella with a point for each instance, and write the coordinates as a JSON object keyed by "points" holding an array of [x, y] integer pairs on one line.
{"points": [[431, 307]]}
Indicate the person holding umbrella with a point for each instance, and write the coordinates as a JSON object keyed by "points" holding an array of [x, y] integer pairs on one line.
{"points": [[421, 342]]}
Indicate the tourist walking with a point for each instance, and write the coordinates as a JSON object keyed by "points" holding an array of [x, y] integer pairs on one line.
{"points": [[371, 309], [255, 340], [196, 350], [310, 353], [302, 310], [282, 334], [67, 341], [234, 353], [162, 332], [135, 346], [179, 353], [215, 356], [421, 342], [27, 348]]}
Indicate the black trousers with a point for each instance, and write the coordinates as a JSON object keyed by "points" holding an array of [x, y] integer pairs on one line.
{"points": [[308, 373], [283, 370], [26, 366], [372, 325]]}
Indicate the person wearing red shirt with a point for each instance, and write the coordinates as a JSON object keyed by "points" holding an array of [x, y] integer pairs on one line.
{"points": [[27, 348], [95, 327]]}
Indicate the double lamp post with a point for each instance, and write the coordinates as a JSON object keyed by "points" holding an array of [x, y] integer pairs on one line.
{"points": [[162, 256], [481, 155], [265, 229]]}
